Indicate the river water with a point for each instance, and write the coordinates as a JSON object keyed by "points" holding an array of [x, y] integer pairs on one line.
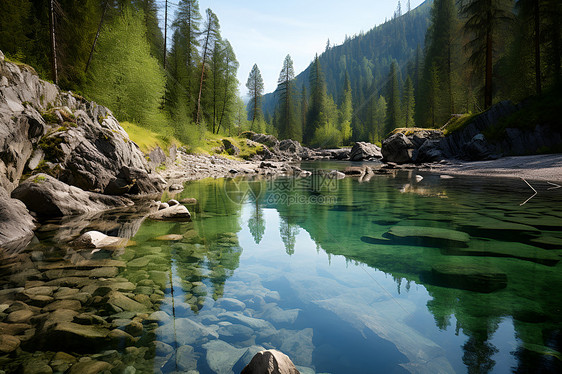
{"points": [[406, 272]]}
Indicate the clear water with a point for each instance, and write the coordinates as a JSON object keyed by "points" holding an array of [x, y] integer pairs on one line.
{"points": [[312, 268]]}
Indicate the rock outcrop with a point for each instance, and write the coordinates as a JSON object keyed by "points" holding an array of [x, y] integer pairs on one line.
{"points": [[80, 143], [364, 151], [49, 197], [397, 148], [270, 362], [16, 224]]}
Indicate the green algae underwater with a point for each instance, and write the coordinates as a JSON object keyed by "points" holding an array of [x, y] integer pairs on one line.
{"points": [[393, 274]]}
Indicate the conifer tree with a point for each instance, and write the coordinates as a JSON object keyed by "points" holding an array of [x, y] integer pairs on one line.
{"points": [[483, 21], [255, 90], [393, 113], [287, 125], [408, 102], [317, 101], [210, 34], [346, 111]]}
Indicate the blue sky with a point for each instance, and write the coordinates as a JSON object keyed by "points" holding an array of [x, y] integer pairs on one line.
{"points": [[265, 31]]}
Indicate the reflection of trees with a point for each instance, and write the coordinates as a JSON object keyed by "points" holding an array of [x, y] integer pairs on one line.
{"points": [[478, 355], [288, 232], [256, 223], [370, 209]]}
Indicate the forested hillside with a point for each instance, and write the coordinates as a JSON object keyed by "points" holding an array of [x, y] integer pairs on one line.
{"points": [[112, 52], [366, 59], [444, 60]]}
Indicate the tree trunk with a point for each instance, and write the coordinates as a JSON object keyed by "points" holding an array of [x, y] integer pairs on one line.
{"points": [[53, 43], [489, 67], [165, 30], [225, 102], [208, 31], [537, 48], [97, 36]]}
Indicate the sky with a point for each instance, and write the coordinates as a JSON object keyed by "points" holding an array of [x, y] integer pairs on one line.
{"points": [[263, 32]]}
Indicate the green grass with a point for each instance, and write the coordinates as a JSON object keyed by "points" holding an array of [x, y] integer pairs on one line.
{"points": [[146, 139], [212, 145], [458, 123]]}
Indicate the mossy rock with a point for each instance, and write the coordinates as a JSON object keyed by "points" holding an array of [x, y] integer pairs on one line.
{"points": [[428, 236], [548, 242], [470, 277], [508, 249]]}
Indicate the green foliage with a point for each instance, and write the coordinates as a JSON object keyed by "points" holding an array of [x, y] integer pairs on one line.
{"points": [[458, 122], [346, 112], [327, 136], [255, 91], [124, 76], [408, 102], [393, 112], [287, 124], [51, 147]]}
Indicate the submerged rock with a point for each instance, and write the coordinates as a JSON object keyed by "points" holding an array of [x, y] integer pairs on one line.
{"points": [[428, 236], [172, 213], [477, 278], [8, 343], [96, 239], [270, 362]]}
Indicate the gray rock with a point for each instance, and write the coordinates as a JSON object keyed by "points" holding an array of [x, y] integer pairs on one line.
{"points": [[16, 224], [230, 148], [478, 149], [364, 151], [186, 358], [96, 239], [172, 213], [429, 151], [185, 332], [235, 333], [48, 197], [230, 304], [397, 148], [270, 362], [221, 356]]}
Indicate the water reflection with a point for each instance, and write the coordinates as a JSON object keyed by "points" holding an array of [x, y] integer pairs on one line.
{"points": [[208, 294]]}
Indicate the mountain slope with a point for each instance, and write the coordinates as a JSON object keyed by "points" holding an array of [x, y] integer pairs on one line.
{"points": [[367, 57]]}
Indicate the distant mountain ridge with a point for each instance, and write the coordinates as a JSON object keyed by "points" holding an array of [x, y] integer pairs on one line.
{"points": [[367, 57]]}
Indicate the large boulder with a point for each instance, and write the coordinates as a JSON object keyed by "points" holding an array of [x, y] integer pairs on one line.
{"points": [[364, 151], [49, 197], [429, 151], [397, 148], [78, 141], [478, 149], [270, 362], [16, 224]]}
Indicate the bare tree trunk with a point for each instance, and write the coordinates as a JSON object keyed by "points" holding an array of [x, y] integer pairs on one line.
{"points": [[537, 48], [489, 69], [97, 36], [53, 43], [165, 31]]}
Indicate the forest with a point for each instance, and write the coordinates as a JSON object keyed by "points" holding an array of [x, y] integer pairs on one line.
{"points": [[421, 68]]}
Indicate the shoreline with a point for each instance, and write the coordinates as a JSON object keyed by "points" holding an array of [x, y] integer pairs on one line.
{"points": [[546, 168]]}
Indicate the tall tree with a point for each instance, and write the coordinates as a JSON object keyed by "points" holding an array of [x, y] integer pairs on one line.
{"points": [[211, 33], [393, 113], [483, 21], [317, 101], [230, 83], [346, 111], [255, 90], [408, 102], [288, 128]]}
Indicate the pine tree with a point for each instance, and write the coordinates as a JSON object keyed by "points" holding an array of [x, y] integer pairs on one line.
{"points": [[124, 76], [346, 111], [230, 83], [288, 128], [255, 90], [210, 34], [408, 102], [393, 114], [317, 101], [484, 19]]}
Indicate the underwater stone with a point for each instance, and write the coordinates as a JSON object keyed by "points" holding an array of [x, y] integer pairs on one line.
{"points": [[478, 278], [428, 236], [186, 358], [221, 356], [230, 304], [8, 343]]}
